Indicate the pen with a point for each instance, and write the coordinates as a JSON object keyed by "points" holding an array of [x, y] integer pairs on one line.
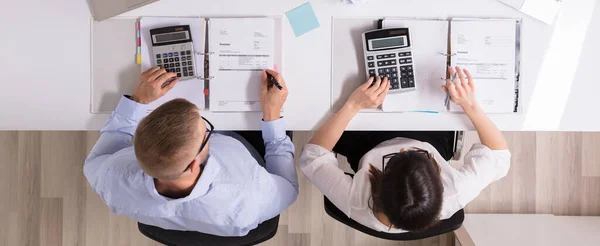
{"points": [[274, 81], [448, 93]]}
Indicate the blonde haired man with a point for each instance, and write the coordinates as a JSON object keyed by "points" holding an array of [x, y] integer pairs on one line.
{"points": [[180, 174]]}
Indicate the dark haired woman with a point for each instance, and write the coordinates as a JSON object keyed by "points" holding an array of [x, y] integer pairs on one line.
{"points": [[403, 181]]}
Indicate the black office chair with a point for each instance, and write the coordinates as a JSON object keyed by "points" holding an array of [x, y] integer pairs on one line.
{"points": [[262, 233], [444, 226]]}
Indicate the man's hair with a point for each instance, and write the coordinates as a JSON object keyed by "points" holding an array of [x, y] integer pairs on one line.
{"points": [[166, 140], [410, 192]]}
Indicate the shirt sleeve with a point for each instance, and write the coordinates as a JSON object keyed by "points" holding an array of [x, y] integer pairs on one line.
{"points": [[482, 166], [116, 134], [279, 184], [320, 166]]}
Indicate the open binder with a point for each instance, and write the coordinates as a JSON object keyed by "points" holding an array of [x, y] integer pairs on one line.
{"points": [[488, 48], [230, 55]]}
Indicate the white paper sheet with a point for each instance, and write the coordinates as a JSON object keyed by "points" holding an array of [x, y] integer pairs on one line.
{"points": [[487, 48], [429, 44], [192, 89], [243, 48], [544, 10]]}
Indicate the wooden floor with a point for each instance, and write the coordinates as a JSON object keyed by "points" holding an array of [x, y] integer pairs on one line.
{"points": [[45, 199]]}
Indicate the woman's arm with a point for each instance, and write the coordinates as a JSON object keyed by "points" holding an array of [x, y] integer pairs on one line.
{"points": [[366, 96], [463, 93]]}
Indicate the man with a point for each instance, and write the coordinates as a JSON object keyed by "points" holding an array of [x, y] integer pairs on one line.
{"points": [[180, 175]]}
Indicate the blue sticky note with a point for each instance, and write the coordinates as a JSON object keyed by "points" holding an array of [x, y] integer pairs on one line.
{"points": [[302, 19]]}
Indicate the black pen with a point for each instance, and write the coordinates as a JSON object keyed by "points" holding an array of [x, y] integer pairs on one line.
{"points": [[274, 81]]}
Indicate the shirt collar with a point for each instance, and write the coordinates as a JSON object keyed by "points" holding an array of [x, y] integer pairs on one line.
{"points": [[209, 173]]}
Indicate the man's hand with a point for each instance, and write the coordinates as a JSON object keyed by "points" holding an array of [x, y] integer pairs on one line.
{"points": [[271, 98], [462, 91], [150, 87], [369, 96]]}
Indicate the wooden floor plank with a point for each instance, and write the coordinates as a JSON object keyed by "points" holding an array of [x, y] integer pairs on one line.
{"points": [[27, 177], [590, 196], [522, 147], [51, 224], [546, 169], [590, 165]]}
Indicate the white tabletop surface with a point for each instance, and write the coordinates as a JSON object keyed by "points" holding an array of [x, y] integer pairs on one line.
{"points": [[45, 64]]}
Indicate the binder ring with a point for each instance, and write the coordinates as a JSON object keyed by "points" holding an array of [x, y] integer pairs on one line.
{"points": [[204, 54], [444, 54], [207, 78]]}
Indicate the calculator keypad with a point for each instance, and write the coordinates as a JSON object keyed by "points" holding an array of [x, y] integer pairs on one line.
{"points": [[397, 67], [177, 62]]}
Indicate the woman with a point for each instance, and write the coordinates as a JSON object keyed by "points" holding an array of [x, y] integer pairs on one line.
{"points": [[403, 181]]}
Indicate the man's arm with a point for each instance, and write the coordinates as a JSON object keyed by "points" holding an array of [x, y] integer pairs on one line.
{"points": [[281, 189], [119, 129]]}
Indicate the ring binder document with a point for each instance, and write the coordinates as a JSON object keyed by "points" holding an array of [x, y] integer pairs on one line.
{"points": [[230, 60]]}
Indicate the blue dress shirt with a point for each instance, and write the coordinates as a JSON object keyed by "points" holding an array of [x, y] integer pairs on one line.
{"points": [[232, 196]]}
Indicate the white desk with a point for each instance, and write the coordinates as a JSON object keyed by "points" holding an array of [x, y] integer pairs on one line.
{"points": [[46, 81]]}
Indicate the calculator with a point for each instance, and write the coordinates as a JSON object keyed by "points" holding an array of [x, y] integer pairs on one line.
{"points": [[173, 50], [388, 53]]}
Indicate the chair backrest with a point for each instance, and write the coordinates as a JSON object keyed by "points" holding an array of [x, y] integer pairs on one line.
{"points": [[262, 233], [444, 226]]}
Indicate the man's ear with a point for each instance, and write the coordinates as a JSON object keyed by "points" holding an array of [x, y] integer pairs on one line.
{"points": [[195, 164]]}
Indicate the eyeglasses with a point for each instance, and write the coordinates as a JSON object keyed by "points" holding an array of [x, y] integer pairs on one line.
{"points": [[389, 156], [209, 131]]}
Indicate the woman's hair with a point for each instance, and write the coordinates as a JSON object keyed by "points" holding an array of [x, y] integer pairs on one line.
{"points": [[410, 192]]}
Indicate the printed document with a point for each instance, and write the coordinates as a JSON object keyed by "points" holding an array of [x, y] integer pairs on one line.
{"points": [[241, 49], [487, 48]]}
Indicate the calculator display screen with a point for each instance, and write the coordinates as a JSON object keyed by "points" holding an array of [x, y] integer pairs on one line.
{"points": [[391, 42], [171, 37]]}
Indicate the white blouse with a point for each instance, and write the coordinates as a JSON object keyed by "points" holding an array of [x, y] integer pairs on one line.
{"points": [[482, 166]]}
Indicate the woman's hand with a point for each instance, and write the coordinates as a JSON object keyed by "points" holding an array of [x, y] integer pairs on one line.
{"points": [[462, 91], [369, 96]]}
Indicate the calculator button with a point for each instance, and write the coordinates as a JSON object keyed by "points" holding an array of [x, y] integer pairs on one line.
{"points": [[183, 53], [185, 73], [176, 59], [171, 60], [370, 58], [411, 82], [158, 56], [189, 58], [392, 55], [404, 82], [188, 52], [403, 74], [408, 53], [409, 60], [178, 75], [410, 74], [371, 64], [394, 75], [380, 71], [380, 57], [394, 69], [387, 63], [165, 55], [178, 70], [176, 54], [184, 63], [166, 65], [177, 64], [158, 62], [403, 68], [185, 69], [393, 62], [165, 60], [190, 68], [380, 63], [409, 68], [394, 81], [372, 73], [191, 73], [395, 87], [171, 54], [387, 70], [402, 61]]}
